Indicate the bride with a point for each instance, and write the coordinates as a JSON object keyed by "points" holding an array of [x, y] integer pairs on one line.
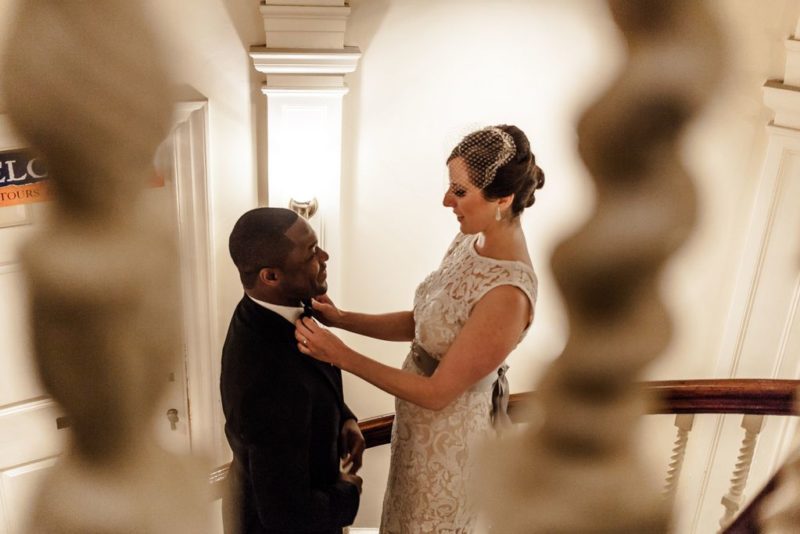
{"points": [[468, 315]]}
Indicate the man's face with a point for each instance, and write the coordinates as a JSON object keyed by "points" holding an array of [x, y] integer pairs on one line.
{"points": [[304, 273]]}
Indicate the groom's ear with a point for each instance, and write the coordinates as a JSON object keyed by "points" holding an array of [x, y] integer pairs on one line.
{"points": [[269, 276]]}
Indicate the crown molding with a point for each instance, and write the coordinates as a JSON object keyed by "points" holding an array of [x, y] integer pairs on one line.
{"points": [[305, 26], [303, 2], [181, 110], [783, 96], [784, 100], [305, 61], [305, 91]]}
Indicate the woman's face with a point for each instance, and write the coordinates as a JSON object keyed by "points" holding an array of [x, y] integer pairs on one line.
{"points": [[473, 211]]}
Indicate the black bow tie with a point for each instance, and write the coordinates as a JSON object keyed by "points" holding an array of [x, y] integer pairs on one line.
{"points": [[308, 311]]}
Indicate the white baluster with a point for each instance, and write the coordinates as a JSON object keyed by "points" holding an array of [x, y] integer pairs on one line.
{"points": [[752, 425], [683, 422], [85, 87], [578, 471]]}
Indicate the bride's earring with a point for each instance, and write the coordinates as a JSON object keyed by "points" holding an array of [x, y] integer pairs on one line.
{"points": [[497, 215]]}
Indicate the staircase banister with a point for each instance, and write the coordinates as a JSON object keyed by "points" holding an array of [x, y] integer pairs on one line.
{"points": [[741, 396], [722, 396]]}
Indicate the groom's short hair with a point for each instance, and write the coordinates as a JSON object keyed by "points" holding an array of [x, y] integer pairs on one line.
{"points": [[258, 240]]}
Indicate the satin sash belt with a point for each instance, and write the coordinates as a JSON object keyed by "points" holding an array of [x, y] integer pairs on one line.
{"points": [[496, 381]]}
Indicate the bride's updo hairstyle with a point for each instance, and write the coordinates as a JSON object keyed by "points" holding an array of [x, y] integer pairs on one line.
{"points": [[501, 163]]}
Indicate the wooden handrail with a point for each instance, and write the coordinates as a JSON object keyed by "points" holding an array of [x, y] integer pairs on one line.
{"points": [[722, 396], [743, 396]]}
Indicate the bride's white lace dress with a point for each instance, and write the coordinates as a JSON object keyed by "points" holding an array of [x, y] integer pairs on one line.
{"points": [[433, 452]]}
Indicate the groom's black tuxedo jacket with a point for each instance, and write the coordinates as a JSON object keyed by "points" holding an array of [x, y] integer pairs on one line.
{"points": [[284, 412]]}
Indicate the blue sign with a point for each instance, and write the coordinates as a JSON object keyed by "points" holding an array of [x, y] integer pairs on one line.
{"points": [[18, 168], [22, 178]]}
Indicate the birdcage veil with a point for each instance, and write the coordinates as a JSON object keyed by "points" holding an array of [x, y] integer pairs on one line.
{"points": [[484, 151]]}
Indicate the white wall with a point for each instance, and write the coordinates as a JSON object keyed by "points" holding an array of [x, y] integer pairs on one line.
{"points": [[430, 74], [432, 71], [207, 44]]}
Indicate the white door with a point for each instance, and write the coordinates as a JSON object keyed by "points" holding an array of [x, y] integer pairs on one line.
{"points": [[171, 420], [181, 161]]}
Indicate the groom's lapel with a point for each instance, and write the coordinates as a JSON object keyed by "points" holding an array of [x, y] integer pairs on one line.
{"points": [[285, 330]]}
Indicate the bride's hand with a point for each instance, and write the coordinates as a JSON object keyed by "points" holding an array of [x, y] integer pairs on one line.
{"points": [[318, 342], [325, 310]]}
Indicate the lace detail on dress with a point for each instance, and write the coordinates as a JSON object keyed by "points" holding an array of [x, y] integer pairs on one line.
{"points": [[433, 452], [444, 300]]}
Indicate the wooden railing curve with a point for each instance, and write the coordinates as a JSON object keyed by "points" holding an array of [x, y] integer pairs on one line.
{"points": [[723, 396], [741, 396]]}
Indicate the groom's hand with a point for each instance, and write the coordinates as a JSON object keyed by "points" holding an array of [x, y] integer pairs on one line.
{"points": [[352, 445]]}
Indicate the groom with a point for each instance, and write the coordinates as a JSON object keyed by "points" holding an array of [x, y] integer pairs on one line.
{"points": [[286, 420]]}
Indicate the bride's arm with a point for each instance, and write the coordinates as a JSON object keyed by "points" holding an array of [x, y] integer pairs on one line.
{"points": [[488, 336], [395, 326]]}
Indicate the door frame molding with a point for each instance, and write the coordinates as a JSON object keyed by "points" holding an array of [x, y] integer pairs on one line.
{"points": [[189, 136]]}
